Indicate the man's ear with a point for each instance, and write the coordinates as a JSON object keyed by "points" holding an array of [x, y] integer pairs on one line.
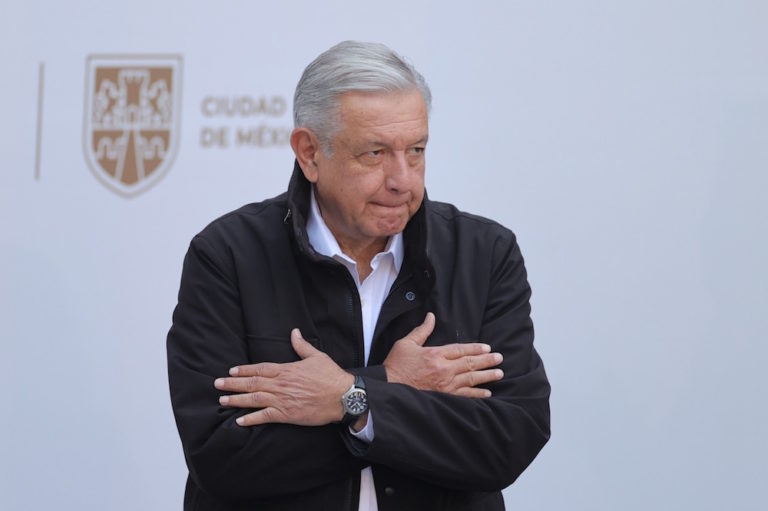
{"points": [[306, 147]]}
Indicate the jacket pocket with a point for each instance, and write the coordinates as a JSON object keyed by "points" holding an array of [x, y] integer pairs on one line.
{"points": [[272, 349]]}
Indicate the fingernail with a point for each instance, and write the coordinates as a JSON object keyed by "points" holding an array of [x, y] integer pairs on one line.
{"points": [[240, 421], [499, 373], [234, 371], [224, 400], [497, 357], [218, 383], [486, 348], [487, 393]]}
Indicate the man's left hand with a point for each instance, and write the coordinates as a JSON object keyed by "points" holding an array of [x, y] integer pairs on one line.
{"points": [[306, 393]]}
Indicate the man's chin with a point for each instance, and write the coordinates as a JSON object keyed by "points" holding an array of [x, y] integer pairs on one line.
{"points": [[385, 231]]}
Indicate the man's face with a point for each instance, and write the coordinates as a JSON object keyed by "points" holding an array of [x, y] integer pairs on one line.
{"points": [[374, 181]]}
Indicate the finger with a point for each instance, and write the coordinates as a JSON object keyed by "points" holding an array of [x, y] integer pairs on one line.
{"points": [[475, 378], [265, 369], [248, 400], [301, 346], [477, 362], [458, 350], [244, 384], [473, 392], [420, 334], [263, 416]]}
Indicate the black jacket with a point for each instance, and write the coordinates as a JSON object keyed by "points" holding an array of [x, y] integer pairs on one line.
{"points": [[251, 276]]}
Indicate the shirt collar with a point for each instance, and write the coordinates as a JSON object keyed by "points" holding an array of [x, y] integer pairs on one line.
{"points": [[322, 240]]}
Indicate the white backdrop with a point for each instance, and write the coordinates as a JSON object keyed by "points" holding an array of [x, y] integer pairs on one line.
{"points": [[626, 143]]}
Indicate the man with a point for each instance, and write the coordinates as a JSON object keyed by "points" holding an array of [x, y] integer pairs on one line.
{"points": [[350, 344]]}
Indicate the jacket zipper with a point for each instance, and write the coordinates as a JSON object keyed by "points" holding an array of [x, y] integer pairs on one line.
{"points": [[358, 362]]}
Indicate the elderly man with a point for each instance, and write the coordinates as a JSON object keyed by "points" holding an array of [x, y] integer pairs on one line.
{"points": [[351, 344]]}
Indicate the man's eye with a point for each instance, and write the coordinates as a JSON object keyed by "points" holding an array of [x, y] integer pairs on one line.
{"points": [[372, 156], [417, 150]]}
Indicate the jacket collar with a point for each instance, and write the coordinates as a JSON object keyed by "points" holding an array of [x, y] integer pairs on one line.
{"points": [[415, 235]]}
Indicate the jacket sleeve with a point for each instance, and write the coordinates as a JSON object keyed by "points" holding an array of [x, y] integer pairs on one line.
{"points": [[465, 443], [224, 459]]}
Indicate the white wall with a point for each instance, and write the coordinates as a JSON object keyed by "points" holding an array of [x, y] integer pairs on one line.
{"points": [[626, 143]]}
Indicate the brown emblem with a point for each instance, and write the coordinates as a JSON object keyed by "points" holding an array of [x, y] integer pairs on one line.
{"points": [[131, 119]]}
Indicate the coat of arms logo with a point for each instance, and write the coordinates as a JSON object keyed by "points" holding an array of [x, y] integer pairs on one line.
{"points": [[132, 116]]}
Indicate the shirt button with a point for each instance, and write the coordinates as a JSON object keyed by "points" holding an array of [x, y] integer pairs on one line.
{"points": [[389, 491], [410, 296]]}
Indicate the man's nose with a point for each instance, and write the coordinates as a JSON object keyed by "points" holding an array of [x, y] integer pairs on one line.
{"points": [[399, 172]]}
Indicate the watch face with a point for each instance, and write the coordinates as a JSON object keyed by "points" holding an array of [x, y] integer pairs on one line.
{"points": [[356, 402]]}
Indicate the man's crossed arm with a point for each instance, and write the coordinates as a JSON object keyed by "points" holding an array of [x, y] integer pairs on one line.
{"points": [[308, 392]]}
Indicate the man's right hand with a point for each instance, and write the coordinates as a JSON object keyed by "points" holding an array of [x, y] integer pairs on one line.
{"points": [[452, 368]]}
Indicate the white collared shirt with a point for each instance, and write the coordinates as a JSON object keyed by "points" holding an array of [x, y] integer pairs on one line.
{"points": [[373, 291]]}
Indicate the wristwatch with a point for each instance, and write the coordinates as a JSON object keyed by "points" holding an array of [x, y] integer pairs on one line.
{"points": [[354, 401]]}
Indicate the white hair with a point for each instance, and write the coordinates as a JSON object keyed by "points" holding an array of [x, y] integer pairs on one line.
{"points": [[350, 66]]}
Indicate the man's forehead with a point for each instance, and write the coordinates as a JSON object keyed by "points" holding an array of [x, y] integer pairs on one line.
{"points": [[404, 139], [385, 114], [393, 102]]}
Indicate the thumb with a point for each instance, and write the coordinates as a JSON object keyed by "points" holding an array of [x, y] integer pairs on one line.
{"points": [[420, 334], [301, 346]]}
